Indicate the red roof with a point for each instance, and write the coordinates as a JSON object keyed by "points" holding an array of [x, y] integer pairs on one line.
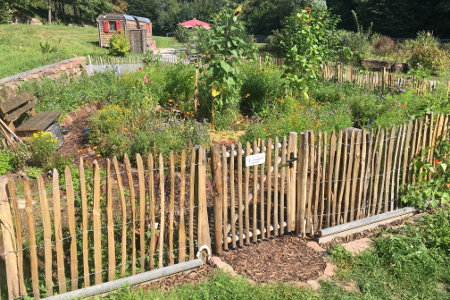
{"points": [[195, 23]]}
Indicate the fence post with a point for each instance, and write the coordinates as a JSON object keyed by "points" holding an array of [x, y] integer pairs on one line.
{"points": [[203, 236], [218, 197], [292, 153], [9, 241], [302, 183]]}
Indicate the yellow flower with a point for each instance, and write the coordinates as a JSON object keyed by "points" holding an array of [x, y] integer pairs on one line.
{"points": [[98, 155], [95, 147]]}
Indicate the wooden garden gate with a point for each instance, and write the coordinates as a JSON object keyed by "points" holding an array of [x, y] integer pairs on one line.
{"points": [[138, 40]]}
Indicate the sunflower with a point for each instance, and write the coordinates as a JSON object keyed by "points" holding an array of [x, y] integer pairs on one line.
{"points": [[308, 10], [237, 12]]}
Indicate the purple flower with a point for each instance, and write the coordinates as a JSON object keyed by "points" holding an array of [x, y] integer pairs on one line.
{"points": [[401, 90]]}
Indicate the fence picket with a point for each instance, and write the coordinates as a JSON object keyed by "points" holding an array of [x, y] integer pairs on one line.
{"points": [[302, 182], [261, 189], [240, 204], [124, 216], [171, 208], [226, 227], [348, 179], [110, 220], [406, 160], [339, 183], [368, 176], [384, 155], [58, 233], [246, 197], [310, 190], [292, 173], [397, 164], [412, 153], [72, 228], [314, 219], [324, 179], [373, 180], [362, 180], [151, 193], [255, 196], [97, 226], [275, 187], [232, 199], [355, 169], [84, 218], [32, 239], [218, 194], [47, 235], [161, 188], [133, 212], [389, 197], [182, 228], [282, 183], [269, 187], [331, 198], [191, 204]]}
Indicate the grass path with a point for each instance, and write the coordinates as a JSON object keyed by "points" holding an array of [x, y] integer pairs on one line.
{"points": [[20, 45]]}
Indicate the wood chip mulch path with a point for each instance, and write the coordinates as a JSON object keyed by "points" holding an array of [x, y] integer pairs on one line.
{"points": [[282, 259]]}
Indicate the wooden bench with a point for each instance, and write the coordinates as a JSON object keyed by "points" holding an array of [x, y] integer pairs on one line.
{"points": [[12, 109]]}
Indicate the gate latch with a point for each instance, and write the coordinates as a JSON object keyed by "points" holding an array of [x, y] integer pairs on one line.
{"points": [[292, 160]]}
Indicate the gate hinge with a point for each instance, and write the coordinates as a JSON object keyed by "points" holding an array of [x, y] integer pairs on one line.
{"points": [[292, 160]]}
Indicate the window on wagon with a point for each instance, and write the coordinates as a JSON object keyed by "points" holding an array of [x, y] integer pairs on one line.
{"points": [[112, 26]]}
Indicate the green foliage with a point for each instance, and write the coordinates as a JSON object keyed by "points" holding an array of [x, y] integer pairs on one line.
{"points": [[118, 45], [182, 34], [5, 13], [429, 57], [34, 172], [48, 48], [339, 255], [425, 192], [7, 161], [43, 144], [306, 40], [225, 44]]}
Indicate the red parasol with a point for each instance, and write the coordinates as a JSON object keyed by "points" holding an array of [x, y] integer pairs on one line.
{"points": [[195, 23]]}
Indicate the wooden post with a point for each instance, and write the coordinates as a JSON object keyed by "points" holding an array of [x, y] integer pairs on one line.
{"points": [[109, 215], [9, 240], [58, 233], [292, 150], [97, 226], [217, 194], [182, 228], [84, 218], [302, 179], [204, 238]]}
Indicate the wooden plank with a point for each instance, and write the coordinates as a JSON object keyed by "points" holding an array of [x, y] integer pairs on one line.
{"points": [[14, 103], [240, 204], [73, 240], [406, 160], [182, 228], [261, 190], [162, 197], [191, 204], [255, 196], [413, 153], [314, 218], [18, 112], [123, 208], [232, 199], [374, 175], [331, 198], [361, 174], [282, 183], [84, 217], [269, 186], [151, 192], [246, 196], [302, 183], [356, 172], [387, 197], [323, 179], [275, 186], [339, 184], [384, 155], [397, 165], [110, 220], [293, 140], [133, 212], [311, 183], [58, 233], [204, 237], [218, 197], [39, 122], [47, 235], [97, 226], [32, 240], [368, 176], [225, 198], [171, 207], [348, 179]]}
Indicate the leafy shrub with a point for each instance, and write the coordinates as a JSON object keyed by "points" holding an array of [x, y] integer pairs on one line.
{"points": [[340, 255], [34, 172], [384, 45], [429, 57], [118, 45], [43, 144], [182, 34], [7, 161]]}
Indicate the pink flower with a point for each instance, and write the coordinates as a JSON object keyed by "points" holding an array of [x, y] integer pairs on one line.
{"points": [[151, 82], [403, 106], [146, 79]]}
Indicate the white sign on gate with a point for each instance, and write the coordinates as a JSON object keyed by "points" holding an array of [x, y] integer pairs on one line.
{"points": [[256, 159]]}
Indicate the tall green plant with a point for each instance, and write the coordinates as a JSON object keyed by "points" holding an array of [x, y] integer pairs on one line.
{"points": [[307, 40], [225, 45]]}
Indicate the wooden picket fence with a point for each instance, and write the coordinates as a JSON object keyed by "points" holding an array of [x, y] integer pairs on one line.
{"points": [[333, 178], [117, 219]]}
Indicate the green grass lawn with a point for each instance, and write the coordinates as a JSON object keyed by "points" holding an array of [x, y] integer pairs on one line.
{"points": [[20, 48]]}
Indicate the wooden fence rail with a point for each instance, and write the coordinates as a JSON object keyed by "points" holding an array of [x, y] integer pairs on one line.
{"points": [[102, 225]]}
